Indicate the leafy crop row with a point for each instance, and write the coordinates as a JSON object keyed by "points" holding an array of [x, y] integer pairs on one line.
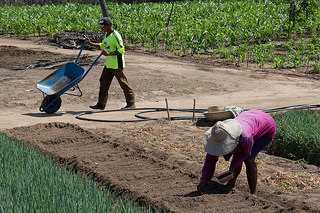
{"points": [[240, 31], [290, 54], [297, 136], [47, 19], [30, 182]]}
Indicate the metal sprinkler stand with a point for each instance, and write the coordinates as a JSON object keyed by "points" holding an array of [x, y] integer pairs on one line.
{"points": [[168, 110]]}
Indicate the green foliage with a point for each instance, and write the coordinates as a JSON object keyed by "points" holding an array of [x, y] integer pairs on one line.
{"points": [[297, 136], [199, 24], [47, 19], [30, 182], [240, 31], [306, 8]]}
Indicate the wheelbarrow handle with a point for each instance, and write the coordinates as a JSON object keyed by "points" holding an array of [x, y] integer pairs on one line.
{"points": [[82, 47], [91, 66]]}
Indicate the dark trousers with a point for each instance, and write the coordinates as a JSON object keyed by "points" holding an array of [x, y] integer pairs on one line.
{"points": [[258, 145], [105, 82]]}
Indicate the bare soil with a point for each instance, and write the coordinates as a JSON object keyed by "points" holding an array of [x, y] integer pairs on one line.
{"points": [[156, 162]]}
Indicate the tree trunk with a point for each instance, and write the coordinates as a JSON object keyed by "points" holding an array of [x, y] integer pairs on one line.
{"points": [[292, 13], [104, 8]]}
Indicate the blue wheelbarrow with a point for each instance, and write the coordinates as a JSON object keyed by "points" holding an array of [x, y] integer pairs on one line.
{"points": [[57, 83]]}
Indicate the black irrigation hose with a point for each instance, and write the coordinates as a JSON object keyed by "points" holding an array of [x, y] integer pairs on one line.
{"points": [[101, 111], [293, 107], [142, 118], [148, 110], [171, 118]]}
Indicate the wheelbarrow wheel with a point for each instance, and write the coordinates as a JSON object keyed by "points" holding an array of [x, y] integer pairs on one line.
{"points": [[55, 106]]}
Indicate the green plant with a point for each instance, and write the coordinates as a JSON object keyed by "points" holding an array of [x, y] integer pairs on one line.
{"points": [[279, 62], [46, 187], [278, 190], [297, 136], [233, 30]]}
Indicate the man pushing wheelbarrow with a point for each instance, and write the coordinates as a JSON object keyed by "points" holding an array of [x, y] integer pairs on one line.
{"points": [[68, 76], [113, 48]]}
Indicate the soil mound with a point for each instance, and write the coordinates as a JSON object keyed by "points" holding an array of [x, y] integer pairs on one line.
{"points": [[74, 39], [14, 58]]}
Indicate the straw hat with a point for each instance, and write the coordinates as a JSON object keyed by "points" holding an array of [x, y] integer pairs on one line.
{"points": [[222, 138], [215, 108], [217, 113]]}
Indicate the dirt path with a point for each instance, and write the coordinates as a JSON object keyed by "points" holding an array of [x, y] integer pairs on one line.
{"points": [[153, 79], [157, 162]]}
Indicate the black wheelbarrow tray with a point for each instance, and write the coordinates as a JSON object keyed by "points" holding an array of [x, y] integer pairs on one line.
{"points": [[57, 83]]}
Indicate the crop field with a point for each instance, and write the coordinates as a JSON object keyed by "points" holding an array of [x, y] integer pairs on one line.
{"points": [[256, 31]]}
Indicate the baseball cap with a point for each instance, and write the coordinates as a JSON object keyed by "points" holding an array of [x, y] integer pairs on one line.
{"points": [[104, 22]]}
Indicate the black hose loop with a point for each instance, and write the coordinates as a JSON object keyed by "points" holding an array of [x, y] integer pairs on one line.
{"points": [[141, 118], [150, 110]]}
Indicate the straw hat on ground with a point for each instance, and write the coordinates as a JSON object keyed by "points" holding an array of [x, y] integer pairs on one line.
{"points": [[222, 138], [217, 113]]}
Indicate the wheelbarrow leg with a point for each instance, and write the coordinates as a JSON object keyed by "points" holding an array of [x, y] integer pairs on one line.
{"points": [[77, 86], [73, 89]]}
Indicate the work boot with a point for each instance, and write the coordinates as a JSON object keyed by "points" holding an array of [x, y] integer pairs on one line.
{"points": [[97, 107], [133, 106]]}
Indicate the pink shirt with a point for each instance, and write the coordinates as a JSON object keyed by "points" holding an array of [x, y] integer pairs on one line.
{"points": [[255, 124]]}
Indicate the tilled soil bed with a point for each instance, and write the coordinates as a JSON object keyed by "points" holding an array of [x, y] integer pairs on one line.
{"points": [[166, 179]]}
